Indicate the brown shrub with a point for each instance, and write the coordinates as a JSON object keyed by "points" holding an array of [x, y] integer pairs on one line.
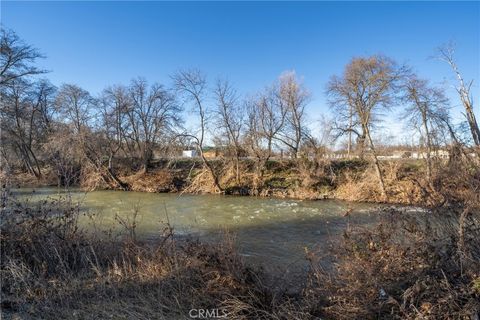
{"points": [[358, 186], [51, 269], [160, 180], [408, 267]]}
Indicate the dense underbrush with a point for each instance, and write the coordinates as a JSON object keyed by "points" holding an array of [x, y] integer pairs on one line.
{"points": [[351, 180]]}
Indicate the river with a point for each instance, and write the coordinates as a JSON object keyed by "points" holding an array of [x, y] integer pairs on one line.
{"points": [[266, 230]]}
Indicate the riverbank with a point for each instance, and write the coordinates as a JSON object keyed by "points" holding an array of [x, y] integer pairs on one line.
{"points": [[401, 268], [407, 266], [266, 229], [350, 180]]}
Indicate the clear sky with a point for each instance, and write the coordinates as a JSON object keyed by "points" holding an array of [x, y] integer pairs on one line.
{"points": [[94, 44]]}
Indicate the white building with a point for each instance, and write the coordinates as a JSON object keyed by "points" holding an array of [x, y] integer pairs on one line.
{"points": [[189, 153]]}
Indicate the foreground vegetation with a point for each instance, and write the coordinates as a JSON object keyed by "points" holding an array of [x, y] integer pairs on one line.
{"points": [[409, 266]]}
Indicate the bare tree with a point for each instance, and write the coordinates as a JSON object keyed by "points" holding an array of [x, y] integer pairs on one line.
{"points": [[21, 100], [319, 143], [345, 121], [426, 110], [16, 58], [271, 112], [74, 105], [152, 114], [25, 116], [266, 116], [254, 140], [446, 53], [230, 119], [293, 97], [192, 84], [44, 99], [112, 108], [367, 86], [63, 154]]}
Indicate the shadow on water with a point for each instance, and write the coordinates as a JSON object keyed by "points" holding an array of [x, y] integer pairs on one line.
{"points": [[285, 244]]}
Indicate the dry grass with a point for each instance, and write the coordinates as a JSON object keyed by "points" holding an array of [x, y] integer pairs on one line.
{"points": [[52, 270], [409, 266], [359, 187], [156, 181], [200, 181], [90, 178], [363, 185], [19, 178]]}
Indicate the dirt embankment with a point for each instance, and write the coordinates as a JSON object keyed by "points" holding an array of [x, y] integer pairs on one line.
{"points": [[344, 180], [350, 180]]}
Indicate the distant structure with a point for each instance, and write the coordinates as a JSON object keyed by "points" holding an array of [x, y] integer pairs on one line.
{"points": [[441, 154], [189, 153], [394, 155]]}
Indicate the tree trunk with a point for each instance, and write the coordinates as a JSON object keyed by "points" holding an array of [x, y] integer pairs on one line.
{"points": [[32, 168], [237, 164], [429, 147], [381, 183], [147, 157], [472, 122], [361, 145], [124, 186], [210, 168], [349, 146], [464, 92]]}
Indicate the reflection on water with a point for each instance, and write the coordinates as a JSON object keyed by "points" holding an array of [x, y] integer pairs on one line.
{"points": [[267, 230]]}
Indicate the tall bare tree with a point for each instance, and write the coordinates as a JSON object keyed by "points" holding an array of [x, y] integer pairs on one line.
{"points": [[270, 112], [153, 113], [230, 119], [192, 84], [293, 97], [266, 114], [112, 110], [74, 105], [25, 111], [426, 110], [368, 85], [16, 58], [21, 100], [76, 108], [44, 99], [446, 53]]}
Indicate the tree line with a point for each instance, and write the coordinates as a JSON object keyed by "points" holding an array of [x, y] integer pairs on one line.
{"points": [[66, 126]]}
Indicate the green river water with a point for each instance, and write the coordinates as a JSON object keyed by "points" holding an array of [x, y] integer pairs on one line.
{"points": [[267, 230]]}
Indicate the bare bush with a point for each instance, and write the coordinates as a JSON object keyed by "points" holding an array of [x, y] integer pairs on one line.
{"points": [[407, 267]]}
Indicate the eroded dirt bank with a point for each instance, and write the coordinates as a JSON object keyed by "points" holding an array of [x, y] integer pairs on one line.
{"points": [[351, 180]]}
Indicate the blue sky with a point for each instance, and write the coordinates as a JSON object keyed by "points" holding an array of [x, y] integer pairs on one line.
{"points": [[95, 44]]}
